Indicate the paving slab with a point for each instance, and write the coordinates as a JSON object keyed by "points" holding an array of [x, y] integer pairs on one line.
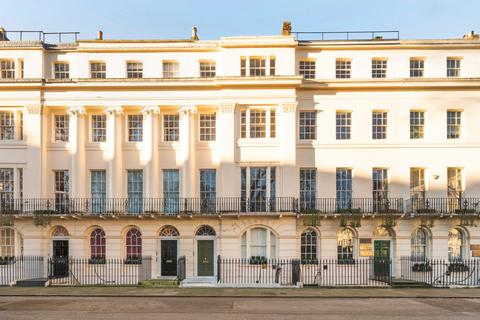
{"points": [[96, 291]]}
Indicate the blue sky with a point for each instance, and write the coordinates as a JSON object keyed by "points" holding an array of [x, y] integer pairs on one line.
{"points": [[173, 19]]}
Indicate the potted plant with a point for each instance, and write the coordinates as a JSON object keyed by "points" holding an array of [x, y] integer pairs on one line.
{"points": [[133, 260], [97, 260], [422, 267]]}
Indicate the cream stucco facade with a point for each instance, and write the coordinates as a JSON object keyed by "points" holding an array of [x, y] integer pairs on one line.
{"points": [[260, 134]]}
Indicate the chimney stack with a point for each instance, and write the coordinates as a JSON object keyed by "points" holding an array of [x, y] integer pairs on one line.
{"points": [[3, 35], [286, 28], [100, 35]]}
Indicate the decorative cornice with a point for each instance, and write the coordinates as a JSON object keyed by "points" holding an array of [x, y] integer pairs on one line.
{"points": [[34, 110], [76, 111], [227, 107], [114, 110], [289, 107], [188, 110], [151, 110]]}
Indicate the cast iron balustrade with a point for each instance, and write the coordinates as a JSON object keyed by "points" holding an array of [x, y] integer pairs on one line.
{"points": [[439, 206], [353, 206], [138, 205]]}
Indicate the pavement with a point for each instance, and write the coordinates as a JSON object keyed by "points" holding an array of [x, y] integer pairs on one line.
{"points": [[221, 308], [306, 293]]}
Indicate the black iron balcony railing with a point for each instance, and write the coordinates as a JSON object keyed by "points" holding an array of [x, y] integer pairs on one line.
{"points": [[352, 206], [237, 205], [139, 205], [437, 206]]}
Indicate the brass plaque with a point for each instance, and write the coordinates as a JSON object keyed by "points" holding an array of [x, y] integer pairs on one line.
{"points": [[475, 253], [366, 249], [475, 247]]}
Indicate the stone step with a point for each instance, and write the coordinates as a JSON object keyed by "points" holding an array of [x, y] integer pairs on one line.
{"points": [[160, 283], [38, 282], [401, 283]]}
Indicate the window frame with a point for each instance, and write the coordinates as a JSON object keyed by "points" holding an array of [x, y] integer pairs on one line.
{"points": [[417, 67], [309, 246], [137, 71], [307, 68], [207, 131], [454, 71], [343, 125], [343, 68], [379, 68], [417, 124], [379, 125], [98, 244], [61, 74], [8, 125], [170, 69], [95, 126], [98, 74], [171, 127], [454, 130], [269, 128], [57, 134], [134, 134], [7, 69], [209, 69], [270, 246]]}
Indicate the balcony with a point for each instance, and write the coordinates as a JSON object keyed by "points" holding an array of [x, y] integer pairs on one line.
{"points": [[352, 206], [239, 206], [444, 206]]}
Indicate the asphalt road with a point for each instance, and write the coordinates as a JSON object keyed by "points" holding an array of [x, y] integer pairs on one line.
{"points": [[120, 308]]}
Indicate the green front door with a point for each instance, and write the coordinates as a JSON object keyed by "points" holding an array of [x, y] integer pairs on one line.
{"points": [[205, 258], [381, 259]]}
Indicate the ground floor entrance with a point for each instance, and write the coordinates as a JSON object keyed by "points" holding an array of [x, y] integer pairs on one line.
{"points": [[168, 258], [382, 259], [60, 253], [205, 258]]}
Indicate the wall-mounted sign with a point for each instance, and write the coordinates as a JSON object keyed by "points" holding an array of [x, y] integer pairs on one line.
{"points": [[366, 249], [475, 250]]}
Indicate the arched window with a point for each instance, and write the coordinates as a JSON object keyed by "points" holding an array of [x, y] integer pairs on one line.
{"points": [[169, 231], [419, 242], [308, 247], [345, 245], [456, 244], [205, 231], [59, 231], [133, 244], [7, 242], [259, 243], [97, 244]]}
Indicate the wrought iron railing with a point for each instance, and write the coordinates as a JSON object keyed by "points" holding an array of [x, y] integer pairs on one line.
{"points": [[345, 35], [51, 37], [437, 206], [352, 206], [20, 268], [441, 272], [98, 271]]}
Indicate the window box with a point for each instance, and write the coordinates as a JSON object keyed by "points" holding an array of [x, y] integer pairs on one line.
{"points": [[258, 260], [464, 211], [133, 260], [345, 261], [457, 267], [348, 210], [97, 260], [309, 261], [422, 267], [6, 260], [44, 212], [427, 210]]}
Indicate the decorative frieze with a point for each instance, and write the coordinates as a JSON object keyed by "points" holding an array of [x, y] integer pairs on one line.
{"points": [[34, 109]]}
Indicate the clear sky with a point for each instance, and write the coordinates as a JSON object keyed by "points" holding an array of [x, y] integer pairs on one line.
{"points": [[173, 19]]}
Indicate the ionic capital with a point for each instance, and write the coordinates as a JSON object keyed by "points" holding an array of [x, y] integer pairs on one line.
{"points": [[188, 110], [76, 111], [289, 107], [151, 110], [114, 110], [227, 107]]}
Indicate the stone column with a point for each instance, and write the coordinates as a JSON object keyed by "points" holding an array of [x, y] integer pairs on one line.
{"points": [[288, 141], [187, 150], [114, 155], [149, 155], [77, 134], [34, 182], [228, 178]]}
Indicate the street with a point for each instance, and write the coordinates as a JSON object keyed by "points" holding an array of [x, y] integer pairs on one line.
{"points": [[277, 308]]}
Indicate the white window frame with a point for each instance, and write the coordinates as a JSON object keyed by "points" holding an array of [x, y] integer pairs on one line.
{"points": [[456, 126], [134, 70], [95, 123], [208, 69], [7, 69], [380, 128], [343, 120], [207, 127], [379, 68], [61, 73], [343, 68], [171, 133], [245, 125], [417, 121], [454, 71], [270, 246], [100, 71], [307, 68], [417, 67], [138, 118], [56, 121], [170, 69]]}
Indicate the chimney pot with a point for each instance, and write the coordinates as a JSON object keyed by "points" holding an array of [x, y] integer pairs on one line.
{"points": [[100, 35]]}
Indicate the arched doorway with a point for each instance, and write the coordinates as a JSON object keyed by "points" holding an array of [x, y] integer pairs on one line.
{"points": [[382, 252], [168, 251], [205, 239], [60, 252]]}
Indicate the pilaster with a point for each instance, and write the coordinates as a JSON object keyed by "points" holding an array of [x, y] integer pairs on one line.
{"points": [[149, 155], [77, 134], [114, 151], [187, 149]]}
